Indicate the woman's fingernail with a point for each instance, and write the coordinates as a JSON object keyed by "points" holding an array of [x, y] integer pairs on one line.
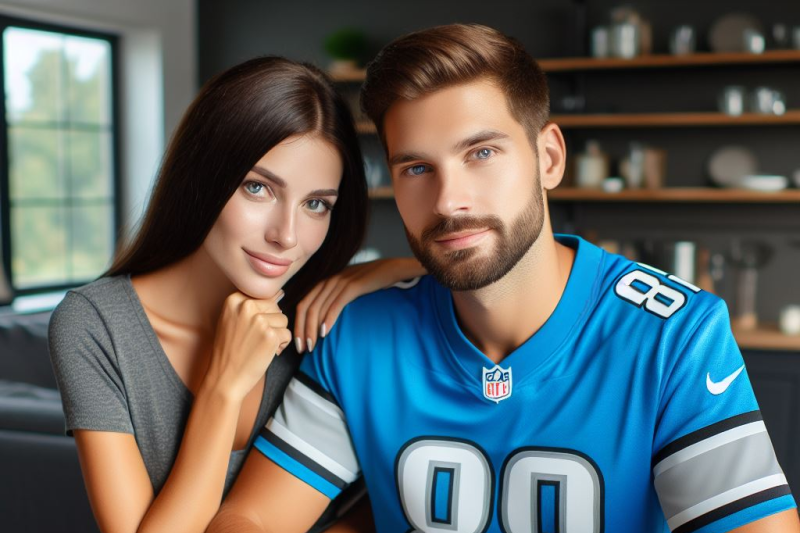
{"points": [[310, 345], [323, 330], [298, 344]]}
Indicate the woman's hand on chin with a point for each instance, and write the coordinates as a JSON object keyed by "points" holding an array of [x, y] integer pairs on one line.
{"points": [[249, 334], [319, 310]]}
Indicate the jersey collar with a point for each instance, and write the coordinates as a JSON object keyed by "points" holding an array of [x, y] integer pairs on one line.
{"points": [[578, 297]]}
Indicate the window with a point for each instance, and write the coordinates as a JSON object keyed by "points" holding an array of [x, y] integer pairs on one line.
{"points": [[58, 180]]}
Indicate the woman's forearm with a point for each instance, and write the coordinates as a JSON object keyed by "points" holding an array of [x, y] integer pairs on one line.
{"points": [[193, 491]]}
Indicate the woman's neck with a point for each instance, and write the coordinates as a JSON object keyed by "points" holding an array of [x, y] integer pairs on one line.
{"points": [[187, 294]]}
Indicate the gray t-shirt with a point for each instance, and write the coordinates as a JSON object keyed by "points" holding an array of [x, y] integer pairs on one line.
{"points": [[113, 375]]}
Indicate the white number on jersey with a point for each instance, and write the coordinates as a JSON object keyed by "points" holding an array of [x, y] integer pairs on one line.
{"points": [[641, 288], [448, 486]]}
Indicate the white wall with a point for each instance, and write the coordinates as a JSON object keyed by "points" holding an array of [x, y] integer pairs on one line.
{"points": [[158, 74]]}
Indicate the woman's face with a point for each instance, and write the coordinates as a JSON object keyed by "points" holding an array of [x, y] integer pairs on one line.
{"points": [[278, 217]]}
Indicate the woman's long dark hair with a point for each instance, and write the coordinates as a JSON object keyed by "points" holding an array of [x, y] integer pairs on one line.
{"points": [[237, 117]]}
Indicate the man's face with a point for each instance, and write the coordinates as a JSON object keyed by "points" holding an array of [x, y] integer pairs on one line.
{"points": [[466, 181]]}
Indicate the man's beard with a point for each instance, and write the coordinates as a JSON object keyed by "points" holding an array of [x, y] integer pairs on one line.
{"points": [[460, 270]]}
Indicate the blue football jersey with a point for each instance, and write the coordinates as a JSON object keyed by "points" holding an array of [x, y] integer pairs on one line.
{"points": [[630, 410]]}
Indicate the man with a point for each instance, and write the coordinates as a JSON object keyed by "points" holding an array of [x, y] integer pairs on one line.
{"points": [[533, 382]]}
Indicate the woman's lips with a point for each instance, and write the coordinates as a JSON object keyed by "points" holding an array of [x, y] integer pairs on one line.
{"points": [[268, 265]]}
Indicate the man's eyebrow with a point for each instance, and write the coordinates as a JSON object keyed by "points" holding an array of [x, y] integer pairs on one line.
{"points": [[472, 140], [478, 138], [280, 182], [399, 159]]}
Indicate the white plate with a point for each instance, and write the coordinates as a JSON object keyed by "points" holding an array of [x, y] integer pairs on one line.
{"points": [[765, 183], [730, 164], [727, 32]]}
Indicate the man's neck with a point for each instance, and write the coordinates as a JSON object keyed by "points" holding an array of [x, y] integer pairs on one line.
{"points": [[501, 317]]}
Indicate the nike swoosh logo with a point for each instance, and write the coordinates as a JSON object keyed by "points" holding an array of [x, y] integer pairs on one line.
{"points": [[721, 386]]}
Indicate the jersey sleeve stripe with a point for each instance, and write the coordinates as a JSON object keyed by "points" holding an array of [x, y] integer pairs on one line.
{"points": [[319, 425], [726, 504], [300, 389], [757, 505], [311, 452], [707, 445], [296, 467], [706, 432], [281, 445], [705, 474], [316, 387]]}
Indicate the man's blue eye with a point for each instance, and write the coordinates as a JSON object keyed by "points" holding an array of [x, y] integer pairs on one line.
{"points": [[416, 170], [484, 153]]}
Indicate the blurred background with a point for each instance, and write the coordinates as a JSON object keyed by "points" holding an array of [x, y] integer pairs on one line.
{"points": [[682, 121]]}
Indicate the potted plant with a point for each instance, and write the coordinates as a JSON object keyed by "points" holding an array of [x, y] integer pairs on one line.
{"points": [[347, 48]]}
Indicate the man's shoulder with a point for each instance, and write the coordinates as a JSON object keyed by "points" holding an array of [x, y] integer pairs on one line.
{"points": [[638, 293], [393, 302]]}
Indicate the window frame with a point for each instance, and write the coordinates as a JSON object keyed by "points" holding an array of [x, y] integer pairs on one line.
{"points": [[7, 21]]}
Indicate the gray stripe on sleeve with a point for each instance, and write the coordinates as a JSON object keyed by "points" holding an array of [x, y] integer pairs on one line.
{"points": [[716, 471], [318, 423]]}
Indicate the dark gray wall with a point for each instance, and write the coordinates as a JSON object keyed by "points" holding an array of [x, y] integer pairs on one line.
{"points": [[230, 32]]}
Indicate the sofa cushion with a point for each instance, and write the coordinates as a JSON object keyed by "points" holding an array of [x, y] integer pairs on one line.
{"points": [[41, 487], [25, 407], [24, 354]]}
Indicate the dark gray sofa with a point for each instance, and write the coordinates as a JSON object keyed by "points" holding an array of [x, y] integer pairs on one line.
{"points": [[41, 487]]}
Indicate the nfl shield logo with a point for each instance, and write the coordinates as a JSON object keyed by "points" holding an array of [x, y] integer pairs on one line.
{"points": [[496, 383]]}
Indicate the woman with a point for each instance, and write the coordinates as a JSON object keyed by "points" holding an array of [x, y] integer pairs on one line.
{"points": [[161, 362]]}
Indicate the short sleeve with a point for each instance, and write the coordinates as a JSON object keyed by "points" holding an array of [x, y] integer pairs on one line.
{"points": [[714, 466], [308, 435], [84, 363]]}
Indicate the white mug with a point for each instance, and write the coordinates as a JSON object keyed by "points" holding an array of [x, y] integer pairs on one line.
{"points": [[790, 320]]}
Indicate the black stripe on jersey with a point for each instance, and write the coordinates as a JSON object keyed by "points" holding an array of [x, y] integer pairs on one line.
{"points": [[316, 387], [704, 433], [303, 460], [733, 507]]}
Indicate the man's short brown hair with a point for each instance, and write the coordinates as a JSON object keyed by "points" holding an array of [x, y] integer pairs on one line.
{"points": [[430, 60]]}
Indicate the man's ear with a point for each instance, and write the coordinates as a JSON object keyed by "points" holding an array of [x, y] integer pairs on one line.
{"points": [[552, 155]]}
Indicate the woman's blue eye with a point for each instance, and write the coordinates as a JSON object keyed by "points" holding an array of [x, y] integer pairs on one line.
{"points": [[318, 206], [484, 153], [249, 186], [416, 170]]}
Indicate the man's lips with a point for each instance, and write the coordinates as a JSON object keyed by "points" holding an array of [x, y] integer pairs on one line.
{"points": [[462, 239]]}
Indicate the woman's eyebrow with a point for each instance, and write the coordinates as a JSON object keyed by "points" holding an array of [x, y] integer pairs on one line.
{"points": [[270, 176], [280, 182], [324, 192]]}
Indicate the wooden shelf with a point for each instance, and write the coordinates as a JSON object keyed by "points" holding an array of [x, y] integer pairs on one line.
{"points": [[577, 64], [350, 76], [645, 120], [668, 195], [366, 128], [676, 195], [381, 193], [766, 338], [634, 120]]}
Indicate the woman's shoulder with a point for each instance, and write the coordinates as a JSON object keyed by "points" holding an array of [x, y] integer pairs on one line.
{"points": [[103, 288], [89, 305]]}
